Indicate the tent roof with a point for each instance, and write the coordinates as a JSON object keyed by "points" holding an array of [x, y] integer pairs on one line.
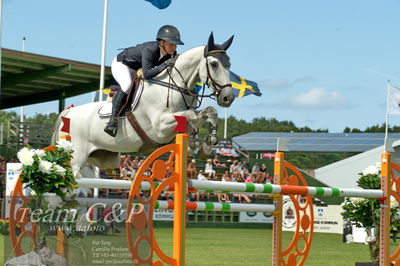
{"points": [[28, 78]]}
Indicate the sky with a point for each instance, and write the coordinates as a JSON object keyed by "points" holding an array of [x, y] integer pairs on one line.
{"points": [[321, 64]]}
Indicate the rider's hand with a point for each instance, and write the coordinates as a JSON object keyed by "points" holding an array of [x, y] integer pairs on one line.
{"points": [[170, 62]]}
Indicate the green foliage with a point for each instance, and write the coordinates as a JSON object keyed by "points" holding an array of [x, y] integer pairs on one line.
{"points": [[3, 227], [315, 160], [238, 127], [6, 116], [373, 129], [366, 212], [369, 181], [42, 181], [49, 119], [361, 212]]}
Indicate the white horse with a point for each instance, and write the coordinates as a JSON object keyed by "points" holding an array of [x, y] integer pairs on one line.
{"points": [[156, 109]]}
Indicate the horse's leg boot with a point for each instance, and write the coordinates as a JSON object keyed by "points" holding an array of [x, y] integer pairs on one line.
{"points": [[117, 102]]}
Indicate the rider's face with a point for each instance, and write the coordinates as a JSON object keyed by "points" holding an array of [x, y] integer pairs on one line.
{"points": [[167, 47]]}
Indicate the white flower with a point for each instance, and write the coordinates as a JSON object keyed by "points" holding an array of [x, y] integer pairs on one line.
{"points": [[45, 167], [25, 156], [76, 171], [66, 145], [356, 200], [39, 153], [371, 170], [393, 202], [396, 215], [60, 170]]}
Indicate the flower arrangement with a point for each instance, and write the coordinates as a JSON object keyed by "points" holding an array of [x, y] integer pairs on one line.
{"points": [[48, 171], [52, 180], [366, 212]]}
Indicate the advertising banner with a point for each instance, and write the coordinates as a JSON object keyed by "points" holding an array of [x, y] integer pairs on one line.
{"points": [[327, 219], [163, 215], [11, 179], [12, 176], [255, 217]]}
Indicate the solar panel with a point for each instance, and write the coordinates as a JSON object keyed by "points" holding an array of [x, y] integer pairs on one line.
{"points": [[299, 141]]}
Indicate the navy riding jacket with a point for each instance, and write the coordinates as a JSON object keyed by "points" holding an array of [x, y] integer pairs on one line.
{"points": [[145, 56]]}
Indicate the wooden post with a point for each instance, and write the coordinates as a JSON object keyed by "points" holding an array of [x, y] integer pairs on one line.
{"points": [[277, 220], [180, 200], [384, 244]]}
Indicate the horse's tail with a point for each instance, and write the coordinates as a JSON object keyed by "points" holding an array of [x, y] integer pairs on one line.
{"points": [[56, 132]]}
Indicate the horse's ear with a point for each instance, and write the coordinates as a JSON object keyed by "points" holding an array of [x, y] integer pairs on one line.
{"points": [[211, 45], [228, 43]]}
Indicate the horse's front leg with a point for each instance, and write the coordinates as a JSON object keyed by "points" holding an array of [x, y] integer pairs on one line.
{"points": [[194, 141], [211, 115]]}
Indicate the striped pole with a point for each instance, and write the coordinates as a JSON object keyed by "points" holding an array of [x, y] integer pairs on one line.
{"points": [[125, 184], [190, 205], [227, 187], [218, 206], [234, 187]]}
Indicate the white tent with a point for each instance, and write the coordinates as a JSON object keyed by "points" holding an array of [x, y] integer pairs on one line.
{"points": [[344, 173]]}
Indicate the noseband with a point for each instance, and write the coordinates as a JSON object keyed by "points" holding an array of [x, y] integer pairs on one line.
{"points": [[215, 84]]}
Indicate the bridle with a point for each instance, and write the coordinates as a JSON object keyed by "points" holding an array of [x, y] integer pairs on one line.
{"points": [[171, 84], [218, 87]]}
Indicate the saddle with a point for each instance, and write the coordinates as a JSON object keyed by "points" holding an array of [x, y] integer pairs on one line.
{"points": [[131, 100]]}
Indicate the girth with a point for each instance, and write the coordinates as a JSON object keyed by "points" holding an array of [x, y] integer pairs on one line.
{"points": [[148, 143]]}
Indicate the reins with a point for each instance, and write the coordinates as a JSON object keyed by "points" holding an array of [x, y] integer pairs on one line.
{"points": [[171, 84]]}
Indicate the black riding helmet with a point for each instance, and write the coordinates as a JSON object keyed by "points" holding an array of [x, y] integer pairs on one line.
{"points": [[170, 34]]}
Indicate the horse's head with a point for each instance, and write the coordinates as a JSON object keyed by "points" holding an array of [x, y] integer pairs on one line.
{"points": [[214, 70]]}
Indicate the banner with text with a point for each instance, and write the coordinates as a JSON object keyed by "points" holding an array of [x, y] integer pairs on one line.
{"points": [[327, 219]]}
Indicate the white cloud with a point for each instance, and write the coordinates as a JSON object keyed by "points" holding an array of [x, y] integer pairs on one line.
{"points": [[285, 83], [276, 83], [319, 98]]}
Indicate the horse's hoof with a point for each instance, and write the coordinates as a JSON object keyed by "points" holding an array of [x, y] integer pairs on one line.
{"points": [[211, 140]]}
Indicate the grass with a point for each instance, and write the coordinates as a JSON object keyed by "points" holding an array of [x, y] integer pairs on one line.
{"points": [[219, 246]]}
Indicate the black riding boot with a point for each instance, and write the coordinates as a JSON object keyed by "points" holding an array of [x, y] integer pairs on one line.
{"points": [[117, 102]]}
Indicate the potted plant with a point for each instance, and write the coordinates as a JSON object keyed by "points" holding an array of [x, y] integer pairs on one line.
{"points": [[51, 180], [365, 213]]}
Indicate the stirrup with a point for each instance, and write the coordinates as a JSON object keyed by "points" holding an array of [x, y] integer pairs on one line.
{"points": [[111, 128]]}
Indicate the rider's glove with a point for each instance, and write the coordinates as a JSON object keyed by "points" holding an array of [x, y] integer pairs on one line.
{"points": [[169, 63]]}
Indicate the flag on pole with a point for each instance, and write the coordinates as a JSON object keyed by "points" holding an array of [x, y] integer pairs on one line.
{"points": [[242, 87], [393, 100], [161, 4]]}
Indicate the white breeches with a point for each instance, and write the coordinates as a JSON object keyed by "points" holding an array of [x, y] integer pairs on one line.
{"points": [[122, 74]]}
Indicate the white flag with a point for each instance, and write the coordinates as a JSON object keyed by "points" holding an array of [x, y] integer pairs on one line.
{"points": [[393, 100]]}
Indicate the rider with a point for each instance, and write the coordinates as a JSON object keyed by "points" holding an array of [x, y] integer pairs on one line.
{"points": [[153, 57]]}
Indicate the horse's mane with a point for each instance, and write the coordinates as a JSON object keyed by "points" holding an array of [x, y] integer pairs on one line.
{"points": [[184, 60], [192, 52]]}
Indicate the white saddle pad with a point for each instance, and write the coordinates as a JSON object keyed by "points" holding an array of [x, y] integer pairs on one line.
{"points": [[105, 110]]}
